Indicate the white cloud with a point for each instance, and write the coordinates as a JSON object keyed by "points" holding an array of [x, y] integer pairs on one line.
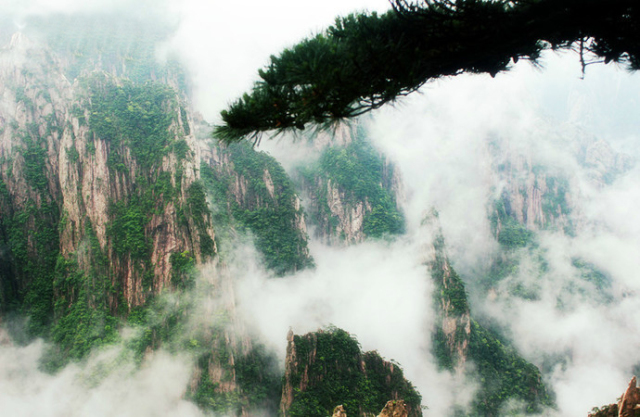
{"points": [[107, 384]]}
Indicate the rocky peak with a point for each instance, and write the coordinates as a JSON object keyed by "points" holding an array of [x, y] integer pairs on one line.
{"points": [[339, 412], [630, 402], [327, 368], [453, 333], [627, 406], [539, 197], [604, 163], [251, 191], [19, 41]]}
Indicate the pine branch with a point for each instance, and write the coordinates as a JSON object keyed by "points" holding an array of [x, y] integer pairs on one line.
{"points": [[365, 61]]}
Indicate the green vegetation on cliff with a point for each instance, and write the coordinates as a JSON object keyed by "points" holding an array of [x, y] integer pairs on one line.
{"points": [[33, 244], [76, 299], [83, 319], [271, 216], [336, 372], [29, 235], [510, 233], [504, 375], [139, 116], [143, 120], [257, 376], [359, 171]]}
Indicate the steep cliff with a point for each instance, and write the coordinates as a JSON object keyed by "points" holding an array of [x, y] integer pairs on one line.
{"points": [[391, 409], [627, 406], [104, 221], [351, 191], [101, 203], [451, 336], [463, 345], [250, 192], [327, 368], [532, 196], [459, 342]]}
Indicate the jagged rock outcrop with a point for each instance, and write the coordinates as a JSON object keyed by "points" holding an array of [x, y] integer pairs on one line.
{"points": [[627, 406], [339, 412], [630, 403], [453, 333], [457, 339], [603, 163], [392, 408], [537, 197], [102, 208], [234, 373], [531, 195], [326, 368]]}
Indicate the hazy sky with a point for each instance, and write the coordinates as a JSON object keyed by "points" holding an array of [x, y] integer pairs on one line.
{"points": [[235, 39]]}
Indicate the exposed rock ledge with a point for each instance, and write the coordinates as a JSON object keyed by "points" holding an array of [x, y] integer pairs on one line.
{"points": [[391, 409]]}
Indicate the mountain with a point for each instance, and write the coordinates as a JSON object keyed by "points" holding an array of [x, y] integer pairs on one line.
{"points": [[326, 368], [124, 225]]}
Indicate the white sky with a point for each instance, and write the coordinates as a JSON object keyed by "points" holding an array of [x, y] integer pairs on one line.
{"points": [[232, 40]]}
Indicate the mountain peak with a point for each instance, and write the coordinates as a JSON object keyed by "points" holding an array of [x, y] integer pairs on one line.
{"points": [[19, 41]]}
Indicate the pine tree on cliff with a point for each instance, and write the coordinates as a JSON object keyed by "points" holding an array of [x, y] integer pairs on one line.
{"points": [[367, 60]]}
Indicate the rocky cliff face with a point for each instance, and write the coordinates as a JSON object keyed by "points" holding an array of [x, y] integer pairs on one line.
{"points": [[530, 195], [603, 163], [250, 192], [234, 373], [103, 209], [351, 191], [627, 406], [326, 369], [101, 204], [453, 333], [391, 409], [458, 340], [539, 198]]}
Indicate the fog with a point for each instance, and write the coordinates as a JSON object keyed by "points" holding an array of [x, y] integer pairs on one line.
{"points": [[380, 291], [107, 384], [439, 138]]}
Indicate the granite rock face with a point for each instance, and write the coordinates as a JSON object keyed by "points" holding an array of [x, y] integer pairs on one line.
{"points": [[628, 406]]}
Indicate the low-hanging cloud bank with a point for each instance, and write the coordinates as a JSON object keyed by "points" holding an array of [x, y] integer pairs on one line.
{"points": [[439, 142], [107, 384], [380, 292]]}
